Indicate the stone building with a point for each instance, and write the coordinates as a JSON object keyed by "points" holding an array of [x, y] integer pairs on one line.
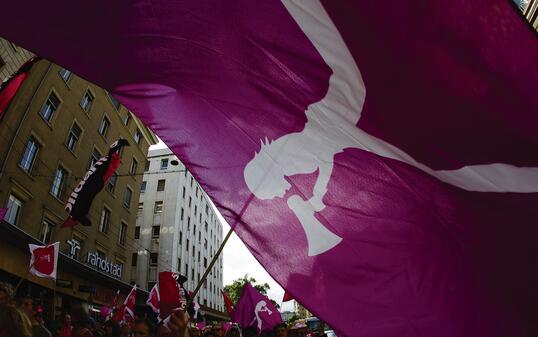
{"points": [[57, 125], [177, 230]]}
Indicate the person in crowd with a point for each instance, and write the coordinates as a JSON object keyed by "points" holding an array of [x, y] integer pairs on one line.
{"points": [[210, 333], [112, 329], [66, 329], [26, 304], [98, 328], [233, 332], [143, 327], [14, 322], [280, 330], [249, 331], [125, 330], [6, 293], [218, 330], [177, 326], [81, 323]]}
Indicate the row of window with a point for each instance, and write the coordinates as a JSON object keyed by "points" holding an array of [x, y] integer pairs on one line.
{"points": [[52, 104], [60, 176], [160, 185]]}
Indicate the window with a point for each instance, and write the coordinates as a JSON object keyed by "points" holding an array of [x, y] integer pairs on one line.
{"points": [[188, 223], [87, 101], [187, 248], [164, 164], [73, 137], [191, 181], [160, 184], [58, 182], [192, 274], [153, 259], [51, 105], [134, 259], [190, 201], [158, 208], [114, 101], [146, 167], [206, 210], [183, 192], [180, 237], [140, 207], [65, 74], [96, 155], [143, 187], [137, 232], [138, 136], [103, 127], [182, 211], [196, 190], [195, 210], [29, 155], [200, 217], [134, 167], [127, 197], [104, 222], [46, 231], [205, 243], [205, 226], [127, 119], [186, 268], [198, 256], [194, 231], [123, 233], [112, 182], [156, 231], [179, 265]]}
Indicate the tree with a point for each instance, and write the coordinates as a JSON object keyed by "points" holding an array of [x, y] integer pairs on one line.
{"points": [[234, 289]]}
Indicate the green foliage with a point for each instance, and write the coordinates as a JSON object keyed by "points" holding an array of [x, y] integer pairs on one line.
{"points": [[234, 289]]}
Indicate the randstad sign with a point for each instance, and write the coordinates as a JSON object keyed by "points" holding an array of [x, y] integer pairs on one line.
{"points": [[104, 265]]}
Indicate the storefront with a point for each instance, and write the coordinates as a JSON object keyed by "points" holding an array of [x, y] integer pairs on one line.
{"points": [[91, 282]]}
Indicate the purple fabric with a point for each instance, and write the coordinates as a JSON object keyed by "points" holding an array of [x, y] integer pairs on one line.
{"points": [[451, 83], [255, 309], [3, 212]]}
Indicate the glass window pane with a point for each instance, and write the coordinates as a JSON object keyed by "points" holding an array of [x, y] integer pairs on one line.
{"points": [[29, 155]]}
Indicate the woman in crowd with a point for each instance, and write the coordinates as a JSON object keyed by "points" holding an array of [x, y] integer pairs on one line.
{"points": [[14, 322], [81, 323]]}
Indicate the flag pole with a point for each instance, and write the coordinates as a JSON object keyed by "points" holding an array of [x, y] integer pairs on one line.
{"points": [[24, 277], [211, 264]]}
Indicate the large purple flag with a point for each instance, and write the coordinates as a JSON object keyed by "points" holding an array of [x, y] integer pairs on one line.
{"points": [[254, 309], [379, 158]]}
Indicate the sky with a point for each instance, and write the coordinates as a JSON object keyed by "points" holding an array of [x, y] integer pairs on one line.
{"points": [[238, 261]]}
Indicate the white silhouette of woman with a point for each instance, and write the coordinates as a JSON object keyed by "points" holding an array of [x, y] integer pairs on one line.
{"points": [[331, 128]]}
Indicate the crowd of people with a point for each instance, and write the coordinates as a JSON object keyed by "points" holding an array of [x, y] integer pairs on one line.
{"points": [[20, 318]]}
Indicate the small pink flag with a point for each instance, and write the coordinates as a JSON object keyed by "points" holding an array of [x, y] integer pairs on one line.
{"points": [[200, 326], [44, 260], [255, 309]]}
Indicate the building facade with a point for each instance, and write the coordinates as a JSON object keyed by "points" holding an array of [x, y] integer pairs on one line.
{"points": [[11, 58], [177, 228], [56, 126]]}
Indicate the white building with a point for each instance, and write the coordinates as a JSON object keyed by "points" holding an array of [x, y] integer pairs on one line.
{"points": [[176, 229]]}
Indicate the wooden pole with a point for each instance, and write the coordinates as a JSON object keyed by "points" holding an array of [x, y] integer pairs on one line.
{"points": [[208, 269]]}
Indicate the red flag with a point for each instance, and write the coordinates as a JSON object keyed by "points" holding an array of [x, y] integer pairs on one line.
{"points": [[171, 295], [130, 302], [44, 260], [287, 297], [153, 299], [229, 303], [119, 314], [115, 299], [9, 88]]}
